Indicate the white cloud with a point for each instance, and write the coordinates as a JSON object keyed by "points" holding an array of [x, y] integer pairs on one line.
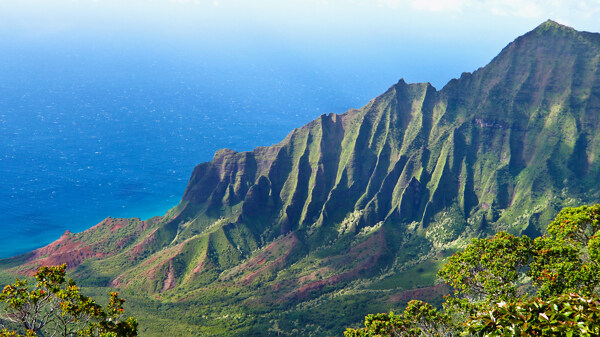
{"points": [[439, 5], [589, 8], [539, 9], [519, 8], [497, 11], [389, 3]]}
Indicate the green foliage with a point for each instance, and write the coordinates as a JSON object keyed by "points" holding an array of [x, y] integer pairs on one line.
{"points": [[488, 268], [576, 224], [563, 315], [55, 306], [418, 319], [567, 259], [6, 333], [382, 325], [488, 274]]}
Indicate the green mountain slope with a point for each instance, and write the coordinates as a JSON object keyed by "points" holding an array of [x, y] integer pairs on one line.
{"points": [[353, 213]]}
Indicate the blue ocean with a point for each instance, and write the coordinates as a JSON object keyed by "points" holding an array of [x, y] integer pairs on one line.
{"points": [[90, 129]]}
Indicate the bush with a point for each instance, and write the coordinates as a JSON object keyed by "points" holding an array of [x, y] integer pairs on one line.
{"points": [[54, 306]]}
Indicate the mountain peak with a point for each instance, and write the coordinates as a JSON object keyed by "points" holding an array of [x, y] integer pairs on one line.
{"points": [[551, 23], [554, 27], [538, 51]]}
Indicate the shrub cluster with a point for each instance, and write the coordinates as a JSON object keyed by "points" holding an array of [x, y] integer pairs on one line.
{"points": [[513, 286]]}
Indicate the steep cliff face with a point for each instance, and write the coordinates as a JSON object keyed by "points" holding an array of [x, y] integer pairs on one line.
{"points": [[496, 147], [371, 193]]}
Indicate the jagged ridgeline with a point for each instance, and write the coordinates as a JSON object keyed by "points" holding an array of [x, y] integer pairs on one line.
{"points": [[372, 199], [502, 148]]}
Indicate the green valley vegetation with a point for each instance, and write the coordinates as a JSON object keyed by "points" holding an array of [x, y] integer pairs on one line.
{"points": [[513, 286], [355, 213], [54, 306]]}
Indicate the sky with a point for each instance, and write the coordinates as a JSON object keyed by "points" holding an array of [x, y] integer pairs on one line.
{"points": [[419, 40]]}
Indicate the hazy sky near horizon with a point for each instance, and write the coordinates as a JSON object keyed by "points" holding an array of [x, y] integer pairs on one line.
{"points": [[421, 40]]}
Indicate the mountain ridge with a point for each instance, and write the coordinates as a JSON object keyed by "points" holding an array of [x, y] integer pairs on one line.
{"points": [[359, 202]]}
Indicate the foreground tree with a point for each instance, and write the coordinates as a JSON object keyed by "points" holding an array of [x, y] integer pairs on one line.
{"points": [[516, 286], [54, 306], [563, 315], [418, 319], [488, 269], [568, 258]]}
